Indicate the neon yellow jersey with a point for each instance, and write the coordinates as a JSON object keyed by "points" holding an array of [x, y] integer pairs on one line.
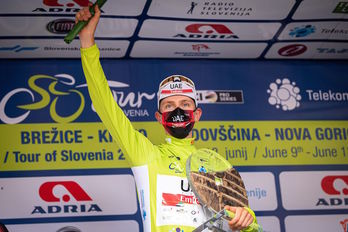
{"points": [[166, 201]]}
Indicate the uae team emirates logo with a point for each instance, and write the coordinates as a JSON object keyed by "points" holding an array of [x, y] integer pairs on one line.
{"points": [[64, 197]]}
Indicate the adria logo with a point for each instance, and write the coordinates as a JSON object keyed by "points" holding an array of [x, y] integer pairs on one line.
{"points": [[328, 185], [207, 31], [46, 191], [61, 6], [337, 188], [208, 28], [81, 3], [59, 206]]}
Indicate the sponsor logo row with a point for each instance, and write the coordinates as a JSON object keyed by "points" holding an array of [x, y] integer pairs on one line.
{"points": [[179, 30], [56, 48], [88, 226], [321, 223], [282, 94], [67, 196], [86, 196], [194, 9]]}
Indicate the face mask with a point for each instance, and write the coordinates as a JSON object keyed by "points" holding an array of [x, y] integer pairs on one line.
{"points": [[178, 122]]}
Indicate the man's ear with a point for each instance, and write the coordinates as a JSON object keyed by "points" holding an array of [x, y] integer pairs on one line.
{"points": [[197, 114], [158, 116]]}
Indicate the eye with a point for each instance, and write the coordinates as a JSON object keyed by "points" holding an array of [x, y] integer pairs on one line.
{"points": [[186, 105], [168, 106]]}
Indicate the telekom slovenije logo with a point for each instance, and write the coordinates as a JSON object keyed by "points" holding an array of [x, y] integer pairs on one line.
{"points": [[284, 94]]}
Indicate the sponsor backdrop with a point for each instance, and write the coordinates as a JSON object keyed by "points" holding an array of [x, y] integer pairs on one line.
{"points": [[212, 29], [283, 125]]}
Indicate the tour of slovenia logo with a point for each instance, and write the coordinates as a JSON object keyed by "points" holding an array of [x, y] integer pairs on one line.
{"points": [[302, 31], [284, 94]]}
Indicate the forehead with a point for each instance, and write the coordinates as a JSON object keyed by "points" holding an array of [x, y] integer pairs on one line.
{"points": [[176, 99]]}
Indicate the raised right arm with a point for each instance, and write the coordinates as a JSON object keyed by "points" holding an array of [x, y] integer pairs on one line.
{"points": [[136, 146]]}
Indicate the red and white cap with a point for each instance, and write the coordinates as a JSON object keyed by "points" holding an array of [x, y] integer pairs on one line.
{"points": [[176, 85]]}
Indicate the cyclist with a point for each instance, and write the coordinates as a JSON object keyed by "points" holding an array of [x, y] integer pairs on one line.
{"points": [[166, 202]]}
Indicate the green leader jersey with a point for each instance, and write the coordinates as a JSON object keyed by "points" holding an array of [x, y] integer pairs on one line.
{"points": [[166, 201]]}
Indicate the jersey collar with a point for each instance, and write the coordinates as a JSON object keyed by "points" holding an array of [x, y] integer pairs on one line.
{"points": [[179, 142]]}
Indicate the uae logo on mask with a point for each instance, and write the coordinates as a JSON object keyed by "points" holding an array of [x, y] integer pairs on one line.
{"points": [[284, 94]]}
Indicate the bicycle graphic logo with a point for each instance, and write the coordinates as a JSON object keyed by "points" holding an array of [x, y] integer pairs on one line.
{"points": [[45, 99]]}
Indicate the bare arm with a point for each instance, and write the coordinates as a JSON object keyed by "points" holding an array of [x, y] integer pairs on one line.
{"points": [[87, 33]]}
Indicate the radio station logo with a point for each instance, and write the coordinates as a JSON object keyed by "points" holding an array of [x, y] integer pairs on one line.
{"points": [[207, 31], [60, 26], [192, 7], [336, 187], [213, 8], [75, 200], [292, 50], [341, 8], [284, 94], [302, 31]]}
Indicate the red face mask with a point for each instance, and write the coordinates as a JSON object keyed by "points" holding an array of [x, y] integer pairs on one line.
{"points": [[178, 122]]}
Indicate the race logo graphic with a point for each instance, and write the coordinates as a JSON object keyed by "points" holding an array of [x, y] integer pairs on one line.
{"points": [[60, 6], [61, 90], [337, 188], [192, 7], [198, 47], [284, 94], [60, 26], [207, 31], [344, 225], [18, 48], [70, 196], [45, 98], [341, 8], [292, 50], [302, 31]]}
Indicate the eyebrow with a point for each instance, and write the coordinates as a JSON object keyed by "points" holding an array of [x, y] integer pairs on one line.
{"points": [[181, 101]]}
